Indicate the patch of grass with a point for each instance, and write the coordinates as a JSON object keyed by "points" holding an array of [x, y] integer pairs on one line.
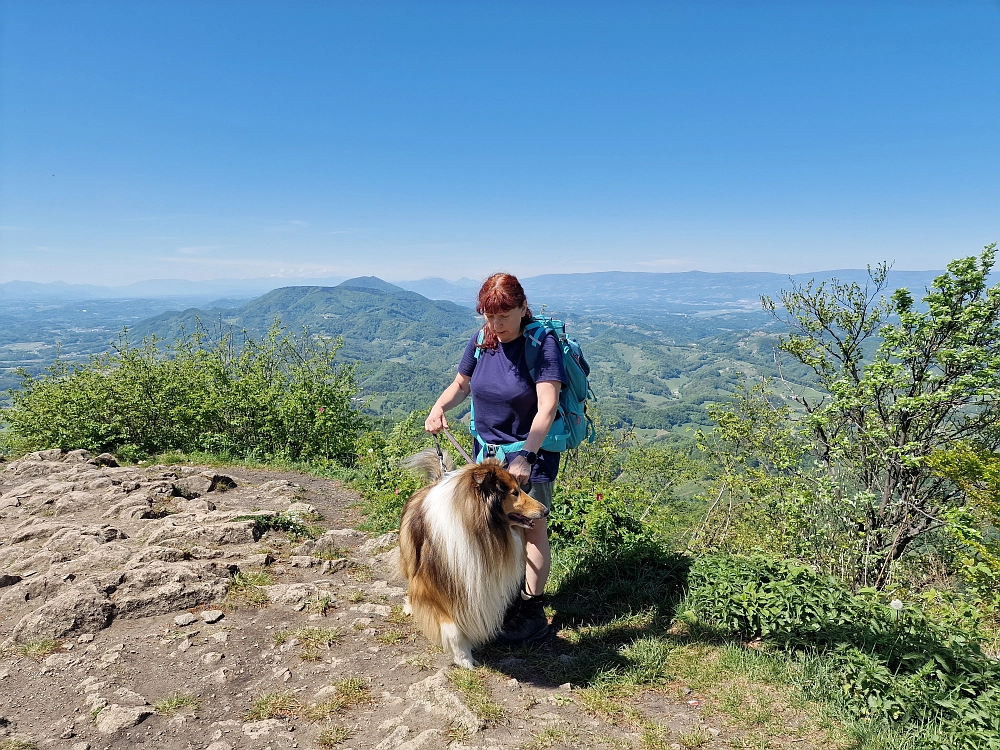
{"points": [[655, 736], [310, 639], [349, 692], [390, 637], [176, 702], [333, 736], [458, 733], [471, 684], [549, 737], [245, 589], [320, 605], [362, 574], [16, 744], [421, 661], [272, 706], [39, 649], [355, 596], [396, 616], [331, 553], [252, 578], [693, 739]]}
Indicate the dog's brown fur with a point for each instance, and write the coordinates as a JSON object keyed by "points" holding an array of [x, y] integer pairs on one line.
{"points": [[461, 545]]}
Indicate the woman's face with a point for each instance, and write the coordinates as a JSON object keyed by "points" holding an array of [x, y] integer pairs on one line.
{"points": [[507, 325]]}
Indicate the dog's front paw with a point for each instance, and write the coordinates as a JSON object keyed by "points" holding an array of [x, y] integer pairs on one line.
{"points": [[407, 609], [461, 660]]}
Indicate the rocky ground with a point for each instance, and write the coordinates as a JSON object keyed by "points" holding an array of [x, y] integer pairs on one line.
{"points": [[122, 624]]}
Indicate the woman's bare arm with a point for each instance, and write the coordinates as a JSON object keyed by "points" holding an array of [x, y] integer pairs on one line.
{"points": [[452, 396]]}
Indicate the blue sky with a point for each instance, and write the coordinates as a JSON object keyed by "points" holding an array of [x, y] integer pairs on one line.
{"points": [[212, 139]]}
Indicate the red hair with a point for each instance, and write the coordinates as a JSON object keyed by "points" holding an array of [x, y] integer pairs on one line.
{"points": [[498, 294]]}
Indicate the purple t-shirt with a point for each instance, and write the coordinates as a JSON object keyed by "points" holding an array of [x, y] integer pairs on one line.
{"points": [[504, 396]]}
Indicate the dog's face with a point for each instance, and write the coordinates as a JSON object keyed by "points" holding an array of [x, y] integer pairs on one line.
{"points": [[502, 495]]}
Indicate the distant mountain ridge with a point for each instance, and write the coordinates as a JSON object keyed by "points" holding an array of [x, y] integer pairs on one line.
{"points": [[606, 292]]}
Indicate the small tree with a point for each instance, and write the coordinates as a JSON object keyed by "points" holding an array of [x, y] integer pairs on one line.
{"points": [[900, 382]]}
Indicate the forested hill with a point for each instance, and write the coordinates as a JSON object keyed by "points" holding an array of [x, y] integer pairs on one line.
{"points": [[409, 345], [656, 374]]}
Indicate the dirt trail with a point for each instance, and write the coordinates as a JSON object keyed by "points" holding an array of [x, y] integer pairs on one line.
{"points": [[113, 598]]}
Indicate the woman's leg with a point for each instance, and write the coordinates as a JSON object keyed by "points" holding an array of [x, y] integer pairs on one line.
{"points": [[539, 556], [538, 552]]}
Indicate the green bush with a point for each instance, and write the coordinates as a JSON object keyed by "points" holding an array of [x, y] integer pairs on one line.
{"points": [[379, 476], [913, 663], [283, 397]]}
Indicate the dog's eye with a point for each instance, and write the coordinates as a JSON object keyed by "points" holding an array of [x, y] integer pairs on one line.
{"points": [[515, 493]]}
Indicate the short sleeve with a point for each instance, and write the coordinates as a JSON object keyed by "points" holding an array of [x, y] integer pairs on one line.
{"points": [[468, 363], [550, 362]]}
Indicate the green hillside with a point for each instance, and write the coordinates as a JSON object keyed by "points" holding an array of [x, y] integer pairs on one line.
{"points": [[654, 372], [409, 345]]}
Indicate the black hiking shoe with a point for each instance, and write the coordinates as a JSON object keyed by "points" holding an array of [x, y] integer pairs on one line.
{"points": [[525, 621]]}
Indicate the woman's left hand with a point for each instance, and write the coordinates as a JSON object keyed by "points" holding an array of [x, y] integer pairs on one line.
{"points": [[521, 469]]}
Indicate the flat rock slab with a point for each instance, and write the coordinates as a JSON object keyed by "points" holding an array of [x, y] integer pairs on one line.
{"points": [[115, 717], [212, 615]]}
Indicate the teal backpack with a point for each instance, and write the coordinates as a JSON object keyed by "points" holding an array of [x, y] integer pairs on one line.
{"points": [[572, 425]]}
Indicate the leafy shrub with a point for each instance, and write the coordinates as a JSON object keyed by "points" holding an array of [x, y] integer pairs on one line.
{"points": [[915, 663], [612, 491], [379, 475], [280, 398]]}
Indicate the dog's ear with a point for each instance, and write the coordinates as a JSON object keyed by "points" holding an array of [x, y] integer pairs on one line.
{"points": [[485, 470], [485, 475]]}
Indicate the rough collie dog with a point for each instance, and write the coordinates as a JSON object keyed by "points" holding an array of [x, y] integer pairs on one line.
{"points": [[461, 547]]}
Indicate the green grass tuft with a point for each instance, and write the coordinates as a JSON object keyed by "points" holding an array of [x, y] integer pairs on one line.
{"points": [[176, 702]]}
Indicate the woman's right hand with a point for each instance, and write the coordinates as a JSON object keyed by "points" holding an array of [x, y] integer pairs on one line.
{"points": [[436, 420]]}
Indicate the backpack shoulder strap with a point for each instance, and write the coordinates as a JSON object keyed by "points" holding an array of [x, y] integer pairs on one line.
{"points": [[534, 334], [479, 343]]}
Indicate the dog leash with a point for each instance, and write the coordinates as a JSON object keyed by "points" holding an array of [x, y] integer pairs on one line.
{"points": [[454, 442]]}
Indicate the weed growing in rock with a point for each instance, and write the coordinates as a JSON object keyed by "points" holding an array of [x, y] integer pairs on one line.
{"points": [[272, 706], [176, 702], [285, 522], [472, 685]]}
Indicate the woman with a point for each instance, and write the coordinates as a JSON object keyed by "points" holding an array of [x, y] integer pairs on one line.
{"points": [[512, 406]]}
